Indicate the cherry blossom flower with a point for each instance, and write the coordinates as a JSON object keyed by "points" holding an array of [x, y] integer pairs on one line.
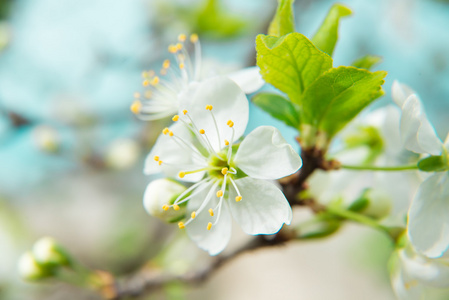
{"points": [[230, 178]]}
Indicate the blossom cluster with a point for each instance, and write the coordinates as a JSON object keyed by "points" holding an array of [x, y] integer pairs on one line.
{"points": [[228, 175]]}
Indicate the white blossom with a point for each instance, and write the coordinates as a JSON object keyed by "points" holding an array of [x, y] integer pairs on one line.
{"points": [[229, 178], [162, 97], [428, 217]]}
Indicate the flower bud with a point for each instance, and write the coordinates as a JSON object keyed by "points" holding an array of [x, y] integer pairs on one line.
{"points": [[30, 269], [162, 192], [122, 154], [47, 251]]}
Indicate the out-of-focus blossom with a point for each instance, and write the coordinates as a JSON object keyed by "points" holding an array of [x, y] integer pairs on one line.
{"points": [[428, 217]]}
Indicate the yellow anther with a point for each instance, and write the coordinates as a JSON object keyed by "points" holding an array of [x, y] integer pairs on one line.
{"points": [[193, 215], [219, 193], [160, 162], [181, 174], [182, 37], [226, 142], [148, 94], [230, 123], [175, 118], [156, 158], [211, 212], [202, 131], [209, 226], [172, 49], [176, 207], [136, 106], [145, 74], [181, 66], [170, 133], [181, 225], [136, 95], [163, 72], [155, 80], [194, 38], [238, 198], [224, 171], [146, 82], [184, 111], [165, 207], [209, 107], [179, 46], [165, 130], [166, 64]]}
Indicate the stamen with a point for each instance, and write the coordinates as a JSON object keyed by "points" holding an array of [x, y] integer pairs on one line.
{"points": [[170, 133], [155, 81], [226, 142], [193, 215], [160, 162], [209, 108], [172, 49], [176, 207], [181, 225], [145, 74], [165, 207], [175, 118], [146, 83], [211, 212], [209, 226], [179, 46], [166, 64], [193, 187], [165, 130], [181, 66], [135, 107], [156, 158], [224, 171], [219, 193], [230, 123], [202, 131], [205, 202], [181, 174], [184, 111], [239, 197], [232, 141], [194, 38], [182, 37]]}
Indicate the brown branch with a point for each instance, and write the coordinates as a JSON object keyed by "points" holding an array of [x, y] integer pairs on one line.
{"points": [[149, 279]]}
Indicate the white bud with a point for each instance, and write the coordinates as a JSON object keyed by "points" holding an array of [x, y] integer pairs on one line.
{"points": [[162, 192], [29, 269], [46, 138], [48, 252], [122, 154]]}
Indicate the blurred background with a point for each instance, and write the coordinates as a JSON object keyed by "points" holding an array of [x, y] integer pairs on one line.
{"points": [[71, 152]]}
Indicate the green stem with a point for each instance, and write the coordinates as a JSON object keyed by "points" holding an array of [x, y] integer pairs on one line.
{"points": [[374, 168], [353, 216]]}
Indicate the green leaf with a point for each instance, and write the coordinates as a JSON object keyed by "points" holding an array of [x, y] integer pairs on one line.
{"points": [[278, 107], [284, 20], [367, 62], [290, 63], [433, 164], [338, 96], [327, 35]]}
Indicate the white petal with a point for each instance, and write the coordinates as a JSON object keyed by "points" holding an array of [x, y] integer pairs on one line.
{"points": [[175, 156], [404, 286], [400, 92], [428, 218], [248, 79], [263, 208], [265, 154], [215, 239], [417, 134], [432, 272], [229, 103]]}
